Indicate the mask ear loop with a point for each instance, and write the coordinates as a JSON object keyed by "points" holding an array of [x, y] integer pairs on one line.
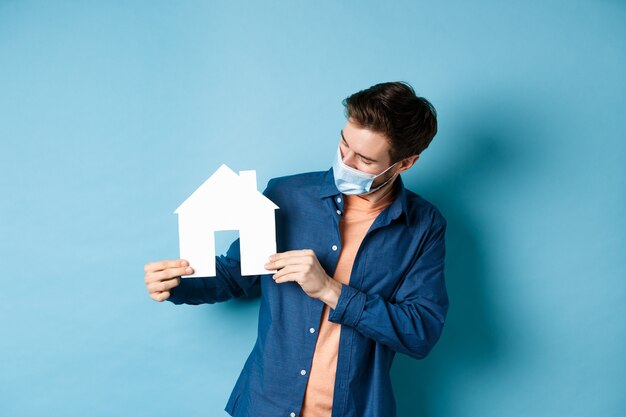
{"points": [[384, 183], [391, 166]]}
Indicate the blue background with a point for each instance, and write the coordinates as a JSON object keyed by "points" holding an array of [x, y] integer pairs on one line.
{"points": [[112, 113]]}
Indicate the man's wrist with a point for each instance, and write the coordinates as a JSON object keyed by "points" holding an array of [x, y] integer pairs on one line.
{"points": [[332, 292]]}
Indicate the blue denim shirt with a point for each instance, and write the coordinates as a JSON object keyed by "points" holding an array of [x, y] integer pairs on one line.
{"points": [[396, 300]]}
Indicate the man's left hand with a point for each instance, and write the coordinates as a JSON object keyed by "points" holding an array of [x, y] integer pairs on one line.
{"points": [[302, 267]]}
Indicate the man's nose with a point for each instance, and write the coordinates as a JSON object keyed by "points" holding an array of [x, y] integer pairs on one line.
{"points": [[348, 159]]}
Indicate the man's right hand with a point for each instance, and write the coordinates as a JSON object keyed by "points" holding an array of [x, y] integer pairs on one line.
{"points": [[162, 276]]}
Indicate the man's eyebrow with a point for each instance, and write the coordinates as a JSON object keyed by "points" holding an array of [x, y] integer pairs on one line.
{"points": [[360, 155]]}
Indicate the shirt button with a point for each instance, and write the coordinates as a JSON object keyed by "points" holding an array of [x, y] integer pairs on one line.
{"points": [[339, 212], [334, 247], [303, 372], [292, 415], [312, 330], [339, 199]]}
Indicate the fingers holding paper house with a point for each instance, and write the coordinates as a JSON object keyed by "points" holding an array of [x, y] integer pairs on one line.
{"points": [[160, 277]]}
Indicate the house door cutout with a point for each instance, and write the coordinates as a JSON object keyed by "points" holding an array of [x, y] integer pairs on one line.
{"points": [[223, 240]]}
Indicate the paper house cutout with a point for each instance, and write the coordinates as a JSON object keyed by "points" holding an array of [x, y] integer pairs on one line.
{"points": [[227, 201]]}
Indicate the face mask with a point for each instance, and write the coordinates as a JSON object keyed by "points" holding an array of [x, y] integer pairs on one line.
{"points": [[354, 182]]}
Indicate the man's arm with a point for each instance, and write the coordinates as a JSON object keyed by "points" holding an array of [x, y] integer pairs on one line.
{"points": [[163, 281], [412, 325], [227, 284]]}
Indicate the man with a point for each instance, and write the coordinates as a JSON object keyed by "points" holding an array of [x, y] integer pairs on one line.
{"points": [[360, 271]]}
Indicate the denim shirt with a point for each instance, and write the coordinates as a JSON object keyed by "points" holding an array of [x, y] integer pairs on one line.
{"points": [[396, 300]]}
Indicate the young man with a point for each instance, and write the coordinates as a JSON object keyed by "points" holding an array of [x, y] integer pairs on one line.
{"points": [[360, 271]]}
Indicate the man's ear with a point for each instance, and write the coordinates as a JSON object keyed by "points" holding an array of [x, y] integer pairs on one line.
{"points": [[407, 163]]}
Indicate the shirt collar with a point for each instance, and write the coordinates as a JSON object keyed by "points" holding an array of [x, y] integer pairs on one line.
{"points": [[397, 208]]}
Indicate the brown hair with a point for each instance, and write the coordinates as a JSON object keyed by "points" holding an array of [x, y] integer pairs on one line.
{"points": [[407, 120]]}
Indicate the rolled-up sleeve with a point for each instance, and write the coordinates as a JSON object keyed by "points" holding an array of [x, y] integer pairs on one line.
{"points": [[413, 323]]}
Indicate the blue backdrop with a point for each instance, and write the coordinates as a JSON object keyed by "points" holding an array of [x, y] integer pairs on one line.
{"points": [[112, 113]]}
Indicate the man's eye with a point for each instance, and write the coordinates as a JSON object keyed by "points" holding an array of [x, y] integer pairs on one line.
{"points": [[366, 162]]}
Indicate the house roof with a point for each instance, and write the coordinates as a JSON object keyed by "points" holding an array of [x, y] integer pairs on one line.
{"points": [[226, 188]]}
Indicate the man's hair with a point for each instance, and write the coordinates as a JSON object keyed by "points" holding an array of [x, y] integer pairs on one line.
{"points": [[408, 121]]}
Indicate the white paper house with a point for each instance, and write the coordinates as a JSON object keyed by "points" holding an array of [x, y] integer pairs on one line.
{"points": [[227, 201]]}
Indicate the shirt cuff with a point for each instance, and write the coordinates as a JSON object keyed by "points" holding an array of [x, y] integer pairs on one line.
{"points": [[179, 294], [349, 307]]}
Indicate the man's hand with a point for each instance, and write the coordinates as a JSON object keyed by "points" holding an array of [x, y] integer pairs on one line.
{"points": [[162, 276], [303, 267]]}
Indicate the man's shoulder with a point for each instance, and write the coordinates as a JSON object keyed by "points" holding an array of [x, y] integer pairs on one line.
{"points": [[299, 181], [420, 209]]}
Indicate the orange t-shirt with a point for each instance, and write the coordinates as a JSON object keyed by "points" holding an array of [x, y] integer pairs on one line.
{"points": [[358, 216]]}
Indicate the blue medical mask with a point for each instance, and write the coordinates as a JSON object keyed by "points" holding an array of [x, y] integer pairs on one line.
{"points": [[351, 181]]}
